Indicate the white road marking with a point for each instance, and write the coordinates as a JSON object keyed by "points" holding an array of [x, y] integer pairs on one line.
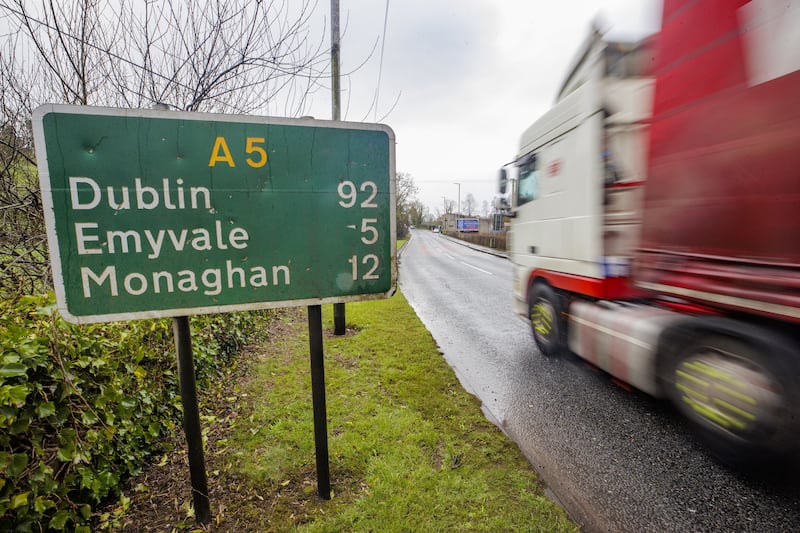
{"points": [[476, 268]]}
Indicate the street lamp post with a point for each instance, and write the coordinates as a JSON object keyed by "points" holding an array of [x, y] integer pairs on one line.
{"points": [[458, 214]]}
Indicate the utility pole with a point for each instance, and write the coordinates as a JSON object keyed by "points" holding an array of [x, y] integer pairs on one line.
{"points": [[338, 309], [335, 92]]}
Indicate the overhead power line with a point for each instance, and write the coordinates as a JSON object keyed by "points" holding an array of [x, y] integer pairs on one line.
{"points": [[380, 64]]}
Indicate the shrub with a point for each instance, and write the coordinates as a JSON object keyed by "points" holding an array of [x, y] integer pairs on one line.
{"points": [[83, 407]]}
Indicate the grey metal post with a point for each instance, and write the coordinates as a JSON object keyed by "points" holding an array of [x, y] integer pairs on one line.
{"points": [[335, 49], [338, 309]]}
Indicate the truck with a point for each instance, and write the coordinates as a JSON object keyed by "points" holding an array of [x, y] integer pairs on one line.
{"points": [[654, 225]]}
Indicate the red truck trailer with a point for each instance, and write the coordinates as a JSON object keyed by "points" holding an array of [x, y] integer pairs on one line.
{"points": [[655, 226]]}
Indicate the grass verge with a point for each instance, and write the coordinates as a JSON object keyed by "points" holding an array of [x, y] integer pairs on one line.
{"points": [[410, 450]]}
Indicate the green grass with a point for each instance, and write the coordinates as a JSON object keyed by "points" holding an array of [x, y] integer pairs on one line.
{"points": [[410, 450]]}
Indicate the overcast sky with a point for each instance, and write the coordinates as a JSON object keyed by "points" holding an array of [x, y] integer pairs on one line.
{"points": [[461, 79]]}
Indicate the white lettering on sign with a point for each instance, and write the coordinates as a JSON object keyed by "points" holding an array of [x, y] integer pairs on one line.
{"points": [[348, 192], [211, 280], [85, 194], [131, 241], [83, 238]]}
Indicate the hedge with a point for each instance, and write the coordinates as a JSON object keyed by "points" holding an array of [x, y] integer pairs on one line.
{"points": [[82, 408]]}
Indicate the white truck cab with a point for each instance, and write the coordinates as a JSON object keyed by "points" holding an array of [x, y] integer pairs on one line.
{"points": [[576, 215]]}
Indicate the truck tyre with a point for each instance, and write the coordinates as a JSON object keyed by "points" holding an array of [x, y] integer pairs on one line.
{"points": [[740, 397], [546, 319]]}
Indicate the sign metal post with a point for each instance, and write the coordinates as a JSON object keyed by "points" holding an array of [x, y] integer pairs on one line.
{"points": [[191, 419], [318, 400]]}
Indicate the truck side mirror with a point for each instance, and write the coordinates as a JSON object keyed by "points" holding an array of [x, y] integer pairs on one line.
{"points": [[502, 181]]}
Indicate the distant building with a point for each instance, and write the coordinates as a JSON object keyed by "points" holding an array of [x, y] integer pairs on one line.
{"points": [[449, 223], [492, 224]]}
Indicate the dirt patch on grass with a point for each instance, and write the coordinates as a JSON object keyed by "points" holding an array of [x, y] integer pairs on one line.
{"points": [[349, 331]]}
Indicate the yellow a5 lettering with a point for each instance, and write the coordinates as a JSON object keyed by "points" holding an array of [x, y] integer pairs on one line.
{"points": [[220, 153], [251, 147]]}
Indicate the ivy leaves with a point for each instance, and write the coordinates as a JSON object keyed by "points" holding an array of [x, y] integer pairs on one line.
{"points": [[83, 407]]}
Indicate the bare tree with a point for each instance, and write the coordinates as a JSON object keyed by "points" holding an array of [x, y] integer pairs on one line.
{"points": [[194, 55], [406, 190], [24, 265], [234, 56], [417, 212], [470, 203], [449, 206], [405, 194]]}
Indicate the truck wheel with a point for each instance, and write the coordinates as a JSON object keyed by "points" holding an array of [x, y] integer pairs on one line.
{"points": [[547, 323], [739, 402]]}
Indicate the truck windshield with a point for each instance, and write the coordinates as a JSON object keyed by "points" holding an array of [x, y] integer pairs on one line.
{"points": [[528, 188], [628, 60]]}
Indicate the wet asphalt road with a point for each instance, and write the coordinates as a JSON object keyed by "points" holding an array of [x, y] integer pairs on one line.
{"points": [[616, 460]]}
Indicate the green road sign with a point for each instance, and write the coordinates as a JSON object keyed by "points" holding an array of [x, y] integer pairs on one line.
{"points": [[158, 213]]}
